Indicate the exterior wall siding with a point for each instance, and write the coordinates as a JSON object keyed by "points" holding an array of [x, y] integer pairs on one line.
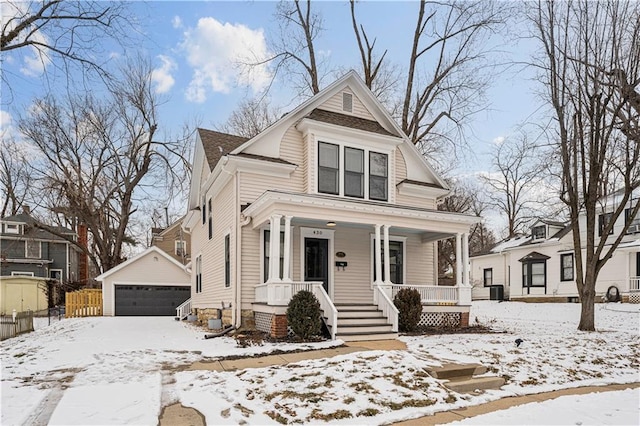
{"points": [[335, 104]]}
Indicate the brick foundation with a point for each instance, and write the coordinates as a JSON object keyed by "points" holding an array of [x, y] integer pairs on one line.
{"points": [[464, 319], [279, 326]]}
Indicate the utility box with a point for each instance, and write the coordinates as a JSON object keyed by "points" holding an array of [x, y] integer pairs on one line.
{"points": [[496, 292]]}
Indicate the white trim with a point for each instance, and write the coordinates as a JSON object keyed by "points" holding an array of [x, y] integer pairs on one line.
{"points": [[152, 249], [17, 228], [265, 227], [54, 270], [397, 238], [415, 190], [184, 247], [323, 234]]}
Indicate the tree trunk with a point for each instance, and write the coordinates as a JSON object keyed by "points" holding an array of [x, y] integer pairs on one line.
{"points": [[587, 300]]}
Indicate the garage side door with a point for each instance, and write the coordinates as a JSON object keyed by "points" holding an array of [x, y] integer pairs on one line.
{"points": [[149, 300]]}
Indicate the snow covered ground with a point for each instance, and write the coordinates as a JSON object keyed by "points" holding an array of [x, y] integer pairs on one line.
{"points": [[124, 370]]}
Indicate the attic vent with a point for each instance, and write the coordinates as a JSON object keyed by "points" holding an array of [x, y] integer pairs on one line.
{"points": [[347, 102]]}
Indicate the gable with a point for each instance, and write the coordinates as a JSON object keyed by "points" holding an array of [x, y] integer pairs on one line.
{"points": [[358, 109], [152, 265]]}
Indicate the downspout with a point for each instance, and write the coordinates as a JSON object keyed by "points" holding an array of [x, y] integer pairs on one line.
{"points": [[241, 221]]}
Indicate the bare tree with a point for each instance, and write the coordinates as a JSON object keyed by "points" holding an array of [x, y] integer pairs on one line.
{"points": [[15, 176], [99, 159], [448, 71], [72, 32], [590, 72], [515, 181], [251, 117]]}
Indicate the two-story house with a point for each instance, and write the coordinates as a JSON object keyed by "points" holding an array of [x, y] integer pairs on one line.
{"points": [[174, 241], [541, 266], [332, 198], [30, 254]]}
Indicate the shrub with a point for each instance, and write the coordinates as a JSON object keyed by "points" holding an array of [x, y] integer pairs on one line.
{"points": [[410, 308], [303, 315]]}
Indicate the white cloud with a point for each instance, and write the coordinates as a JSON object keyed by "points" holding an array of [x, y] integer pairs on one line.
{"points": [[219, 53], [176, 22], [162, 77], [498, 140]]}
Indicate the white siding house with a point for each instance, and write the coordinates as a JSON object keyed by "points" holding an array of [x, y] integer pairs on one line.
{"points": [[332, 198], [541, 265]]}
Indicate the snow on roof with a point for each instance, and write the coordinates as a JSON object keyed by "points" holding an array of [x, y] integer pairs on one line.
{"points": [[509, 242]]}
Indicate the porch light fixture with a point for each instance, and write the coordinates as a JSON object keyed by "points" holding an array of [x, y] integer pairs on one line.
{"points": [[331, 224]]}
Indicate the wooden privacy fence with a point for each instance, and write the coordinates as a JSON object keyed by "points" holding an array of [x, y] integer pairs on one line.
{"points": [[13, 325], [83, 303]]}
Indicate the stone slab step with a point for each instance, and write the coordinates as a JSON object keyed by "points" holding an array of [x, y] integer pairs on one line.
{"points": [[358, 337], [474, 384], [450, 371]]}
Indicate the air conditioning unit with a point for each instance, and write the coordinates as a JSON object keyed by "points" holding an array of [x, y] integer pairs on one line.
{"points": [[633, 228]]}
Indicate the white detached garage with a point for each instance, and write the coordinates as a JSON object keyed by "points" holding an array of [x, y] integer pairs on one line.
{"points": [[150, 284]]}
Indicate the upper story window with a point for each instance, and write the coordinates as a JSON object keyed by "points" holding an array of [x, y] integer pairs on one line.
{"points": [[603, 221], [11, 228], [378, 179], [634, 223], [328, 168], [210, 218], [539, 232], [343, 170], [181, 248], [354, 172], [204, 210], [32, 249]]}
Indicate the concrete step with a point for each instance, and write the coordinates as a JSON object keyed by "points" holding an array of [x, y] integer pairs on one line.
{"points": [[361, 320], [474, 384], [452, 371], [355, 337], [356, 307], [364, 328], [360, 314]]}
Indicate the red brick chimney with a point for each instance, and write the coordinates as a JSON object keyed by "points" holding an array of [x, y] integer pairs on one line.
{"points": [[83, 259]]}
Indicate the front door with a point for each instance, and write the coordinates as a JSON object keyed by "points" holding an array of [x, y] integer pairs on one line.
{"points": [[316, 261]]}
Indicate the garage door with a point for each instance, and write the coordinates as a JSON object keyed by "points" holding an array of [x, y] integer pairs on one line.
{"points": [[149, 300]]}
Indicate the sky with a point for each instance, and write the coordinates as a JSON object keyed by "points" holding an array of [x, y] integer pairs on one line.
{"points": [[124, 370], [194, 45]]}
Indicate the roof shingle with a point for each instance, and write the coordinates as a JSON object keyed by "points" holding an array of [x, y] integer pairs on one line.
{"points": [[217, 144], [348, 121]]}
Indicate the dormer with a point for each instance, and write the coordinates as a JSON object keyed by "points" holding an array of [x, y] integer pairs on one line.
{"points": [[12, 228], [544, 229]]}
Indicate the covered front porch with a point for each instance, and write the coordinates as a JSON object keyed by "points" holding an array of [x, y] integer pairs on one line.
{"points": [[356, 261]]}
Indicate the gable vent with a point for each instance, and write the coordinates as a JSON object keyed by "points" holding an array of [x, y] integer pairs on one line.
{"points": [[347, 102]]}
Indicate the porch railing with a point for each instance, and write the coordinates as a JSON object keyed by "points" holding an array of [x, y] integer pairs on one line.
{"points": [[280, 293], [184, 309], [383, 301], [634, 284], [436, 294]]}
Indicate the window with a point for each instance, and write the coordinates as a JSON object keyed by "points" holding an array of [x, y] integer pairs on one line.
{"points": [[11, 229], [210, 213], [204, 210], [266, 247], [488, 277], [199, 274], [378, 176], [603, 221], [353, 172], [534, 274], [566, 267], [328, 168], [21, 274], [32, 249], [634, 223], [227, 261], [181, 248], [347, 102], [55, 274], [396, 267], [539, 232]]}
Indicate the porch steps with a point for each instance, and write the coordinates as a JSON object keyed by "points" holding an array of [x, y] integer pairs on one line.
{"points": [[357, 322], [462, 378]]}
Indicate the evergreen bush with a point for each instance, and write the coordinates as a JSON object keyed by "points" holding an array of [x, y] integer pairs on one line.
{"points": [[303, 315], [409, 306]]}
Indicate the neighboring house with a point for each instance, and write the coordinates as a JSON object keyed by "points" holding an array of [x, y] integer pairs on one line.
{"points": [[30, 255], [541, 266], [152, 283], [332, 198], [174, 241]]}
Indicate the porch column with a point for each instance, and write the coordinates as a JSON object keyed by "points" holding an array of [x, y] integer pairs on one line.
{"points": [[387, 256], [287, 249], [274, 248], [458, 259], [465, 259], [378, 256]]}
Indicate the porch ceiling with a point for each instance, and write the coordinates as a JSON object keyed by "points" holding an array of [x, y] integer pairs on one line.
{"points": [[319, 209]]}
